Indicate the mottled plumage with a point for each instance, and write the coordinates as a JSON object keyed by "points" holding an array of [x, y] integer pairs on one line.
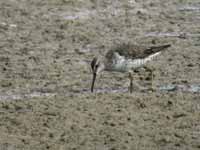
{"points": [[129, 57], [134, 51], [125, 58]]}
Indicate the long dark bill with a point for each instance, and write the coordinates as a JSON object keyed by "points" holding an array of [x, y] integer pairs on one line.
{"points": [[93, 81]]}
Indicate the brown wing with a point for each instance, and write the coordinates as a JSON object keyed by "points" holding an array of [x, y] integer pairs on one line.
{"points": [[135, 52]]}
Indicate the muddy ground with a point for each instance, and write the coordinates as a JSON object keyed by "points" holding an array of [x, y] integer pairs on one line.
{"points": [[45, 50]]}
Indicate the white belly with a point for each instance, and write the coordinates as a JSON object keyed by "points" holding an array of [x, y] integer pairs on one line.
{"points": [[126, 65], [121, 64]]}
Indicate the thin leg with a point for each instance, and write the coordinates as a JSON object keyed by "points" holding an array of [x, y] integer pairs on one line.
{"points": [[131, 82], [152, 78], [151, 70]]}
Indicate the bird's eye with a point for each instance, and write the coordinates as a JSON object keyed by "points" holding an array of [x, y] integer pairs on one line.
{"points": [[93, 62], [97, 65]]}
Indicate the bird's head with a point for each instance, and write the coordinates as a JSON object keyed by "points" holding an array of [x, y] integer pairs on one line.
{"points": [[97, 67]]}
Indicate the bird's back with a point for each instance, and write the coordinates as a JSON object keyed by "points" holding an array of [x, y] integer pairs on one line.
{"points": [[135, 52]]}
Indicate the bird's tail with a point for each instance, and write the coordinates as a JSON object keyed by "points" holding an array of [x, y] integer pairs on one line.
{"points": [[155, 49]]}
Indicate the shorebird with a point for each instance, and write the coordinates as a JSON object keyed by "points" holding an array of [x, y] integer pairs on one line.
{"points": [[125, 58]]}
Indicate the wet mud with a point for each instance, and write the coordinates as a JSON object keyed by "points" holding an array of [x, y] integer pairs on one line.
{"points": [[45, 76]]}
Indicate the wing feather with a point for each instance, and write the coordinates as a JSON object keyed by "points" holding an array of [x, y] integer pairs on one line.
{"points": [[134, 51]]}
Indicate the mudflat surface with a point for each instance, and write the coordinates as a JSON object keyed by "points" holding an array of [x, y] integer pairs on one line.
{"points": [[45, 51]]}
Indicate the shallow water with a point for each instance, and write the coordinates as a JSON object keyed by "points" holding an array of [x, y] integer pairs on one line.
{"points": [[46, 48], [189, 8], [84, 14], [194, 88], [166, 34]]}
